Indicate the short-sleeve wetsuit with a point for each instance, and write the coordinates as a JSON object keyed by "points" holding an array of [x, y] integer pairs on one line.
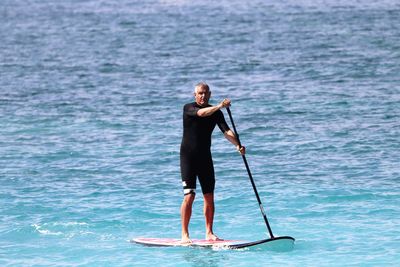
{"points": [[195, 153]]}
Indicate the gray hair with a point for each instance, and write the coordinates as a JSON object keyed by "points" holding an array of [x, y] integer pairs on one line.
{"points": [[202, 85]]}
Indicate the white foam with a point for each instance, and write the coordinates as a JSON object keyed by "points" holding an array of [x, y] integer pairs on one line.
{"points": [[39, 229]]}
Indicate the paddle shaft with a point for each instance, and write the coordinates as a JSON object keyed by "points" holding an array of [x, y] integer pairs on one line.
{"points": [[250, 176]]}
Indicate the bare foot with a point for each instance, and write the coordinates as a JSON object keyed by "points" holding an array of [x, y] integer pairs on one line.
{"points": [[212, 237], [186, 240]]}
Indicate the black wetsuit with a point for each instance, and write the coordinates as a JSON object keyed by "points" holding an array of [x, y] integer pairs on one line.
{"points": [[195, 154]]}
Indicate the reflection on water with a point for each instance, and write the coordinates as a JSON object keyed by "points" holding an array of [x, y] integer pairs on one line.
{"points": [[205, 257]]}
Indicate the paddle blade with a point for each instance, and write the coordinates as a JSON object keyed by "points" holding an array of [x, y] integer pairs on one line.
{"points": [[279, 244]]}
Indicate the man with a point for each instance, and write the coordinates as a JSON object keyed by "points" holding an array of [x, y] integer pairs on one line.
{"points": [[199, 120]]}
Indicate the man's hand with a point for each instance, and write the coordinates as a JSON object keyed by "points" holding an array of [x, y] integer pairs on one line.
{"points": [[241, 149], [225, 103]]}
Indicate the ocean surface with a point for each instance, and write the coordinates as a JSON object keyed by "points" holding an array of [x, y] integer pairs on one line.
{"points": [[91, 97]]}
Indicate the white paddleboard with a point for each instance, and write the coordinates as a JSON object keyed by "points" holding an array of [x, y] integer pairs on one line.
{"points": [[280, 243]]}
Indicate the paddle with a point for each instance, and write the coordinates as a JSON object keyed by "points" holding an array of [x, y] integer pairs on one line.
{"points": [[251, 177]]}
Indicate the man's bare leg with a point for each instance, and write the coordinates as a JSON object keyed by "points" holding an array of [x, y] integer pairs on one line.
{"points": [[209, 215], [186, 213]]}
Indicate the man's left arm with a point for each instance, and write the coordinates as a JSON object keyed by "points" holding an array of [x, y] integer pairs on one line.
{"points": [[232, 138]]}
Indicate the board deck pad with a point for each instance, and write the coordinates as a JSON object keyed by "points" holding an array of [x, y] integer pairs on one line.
{"points": [[277, 243]]}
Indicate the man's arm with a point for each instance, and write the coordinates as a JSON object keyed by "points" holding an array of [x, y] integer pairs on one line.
{"points": [[204, 112], [232, 138]]}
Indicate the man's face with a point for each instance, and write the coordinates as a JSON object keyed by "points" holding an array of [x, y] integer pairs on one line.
{"points": [[202, 95]]}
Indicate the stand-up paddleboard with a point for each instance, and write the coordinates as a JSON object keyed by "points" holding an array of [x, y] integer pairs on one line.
{"points": [[282, 243], [277, 243]]}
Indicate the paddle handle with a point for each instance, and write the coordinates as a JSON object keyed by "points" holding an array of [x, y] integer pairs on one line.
{"points": [[251, 177]]}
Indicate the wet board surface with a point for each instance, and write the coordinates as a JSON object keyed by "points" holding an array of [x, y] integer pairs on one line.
{"points": [[278, 242]]}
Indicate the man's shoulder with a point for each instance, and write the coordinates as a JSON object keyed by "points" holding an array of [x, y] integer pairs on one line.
{"points": [[194, 104], [191, 105], [188, 106]]}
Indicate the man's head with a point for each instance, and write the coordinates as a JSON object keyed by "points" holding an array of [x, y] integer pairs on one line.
{"points": [[202, 94]]}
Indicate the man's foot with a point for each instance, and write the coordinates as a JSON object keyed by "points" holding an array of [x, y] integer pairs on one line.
{"points": [[212, 237], [185, 240]]}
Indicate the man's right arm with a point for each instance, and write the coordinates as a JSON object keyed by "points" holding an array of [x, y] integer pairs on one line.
{"points": [[204, 112]]}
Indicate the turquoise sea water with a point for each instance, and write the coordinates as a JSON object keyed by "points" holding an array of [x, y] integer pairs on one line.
{"points": [[91, 95]]}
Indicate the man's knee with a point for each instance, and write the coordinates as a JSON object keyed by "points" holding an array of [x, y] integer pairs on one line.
{"points": [[189, 198], [208, 198]]}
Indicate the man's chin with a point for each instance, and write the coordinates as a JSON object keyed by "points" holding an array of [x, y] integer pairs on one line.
{"points": [[203, 103]]}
